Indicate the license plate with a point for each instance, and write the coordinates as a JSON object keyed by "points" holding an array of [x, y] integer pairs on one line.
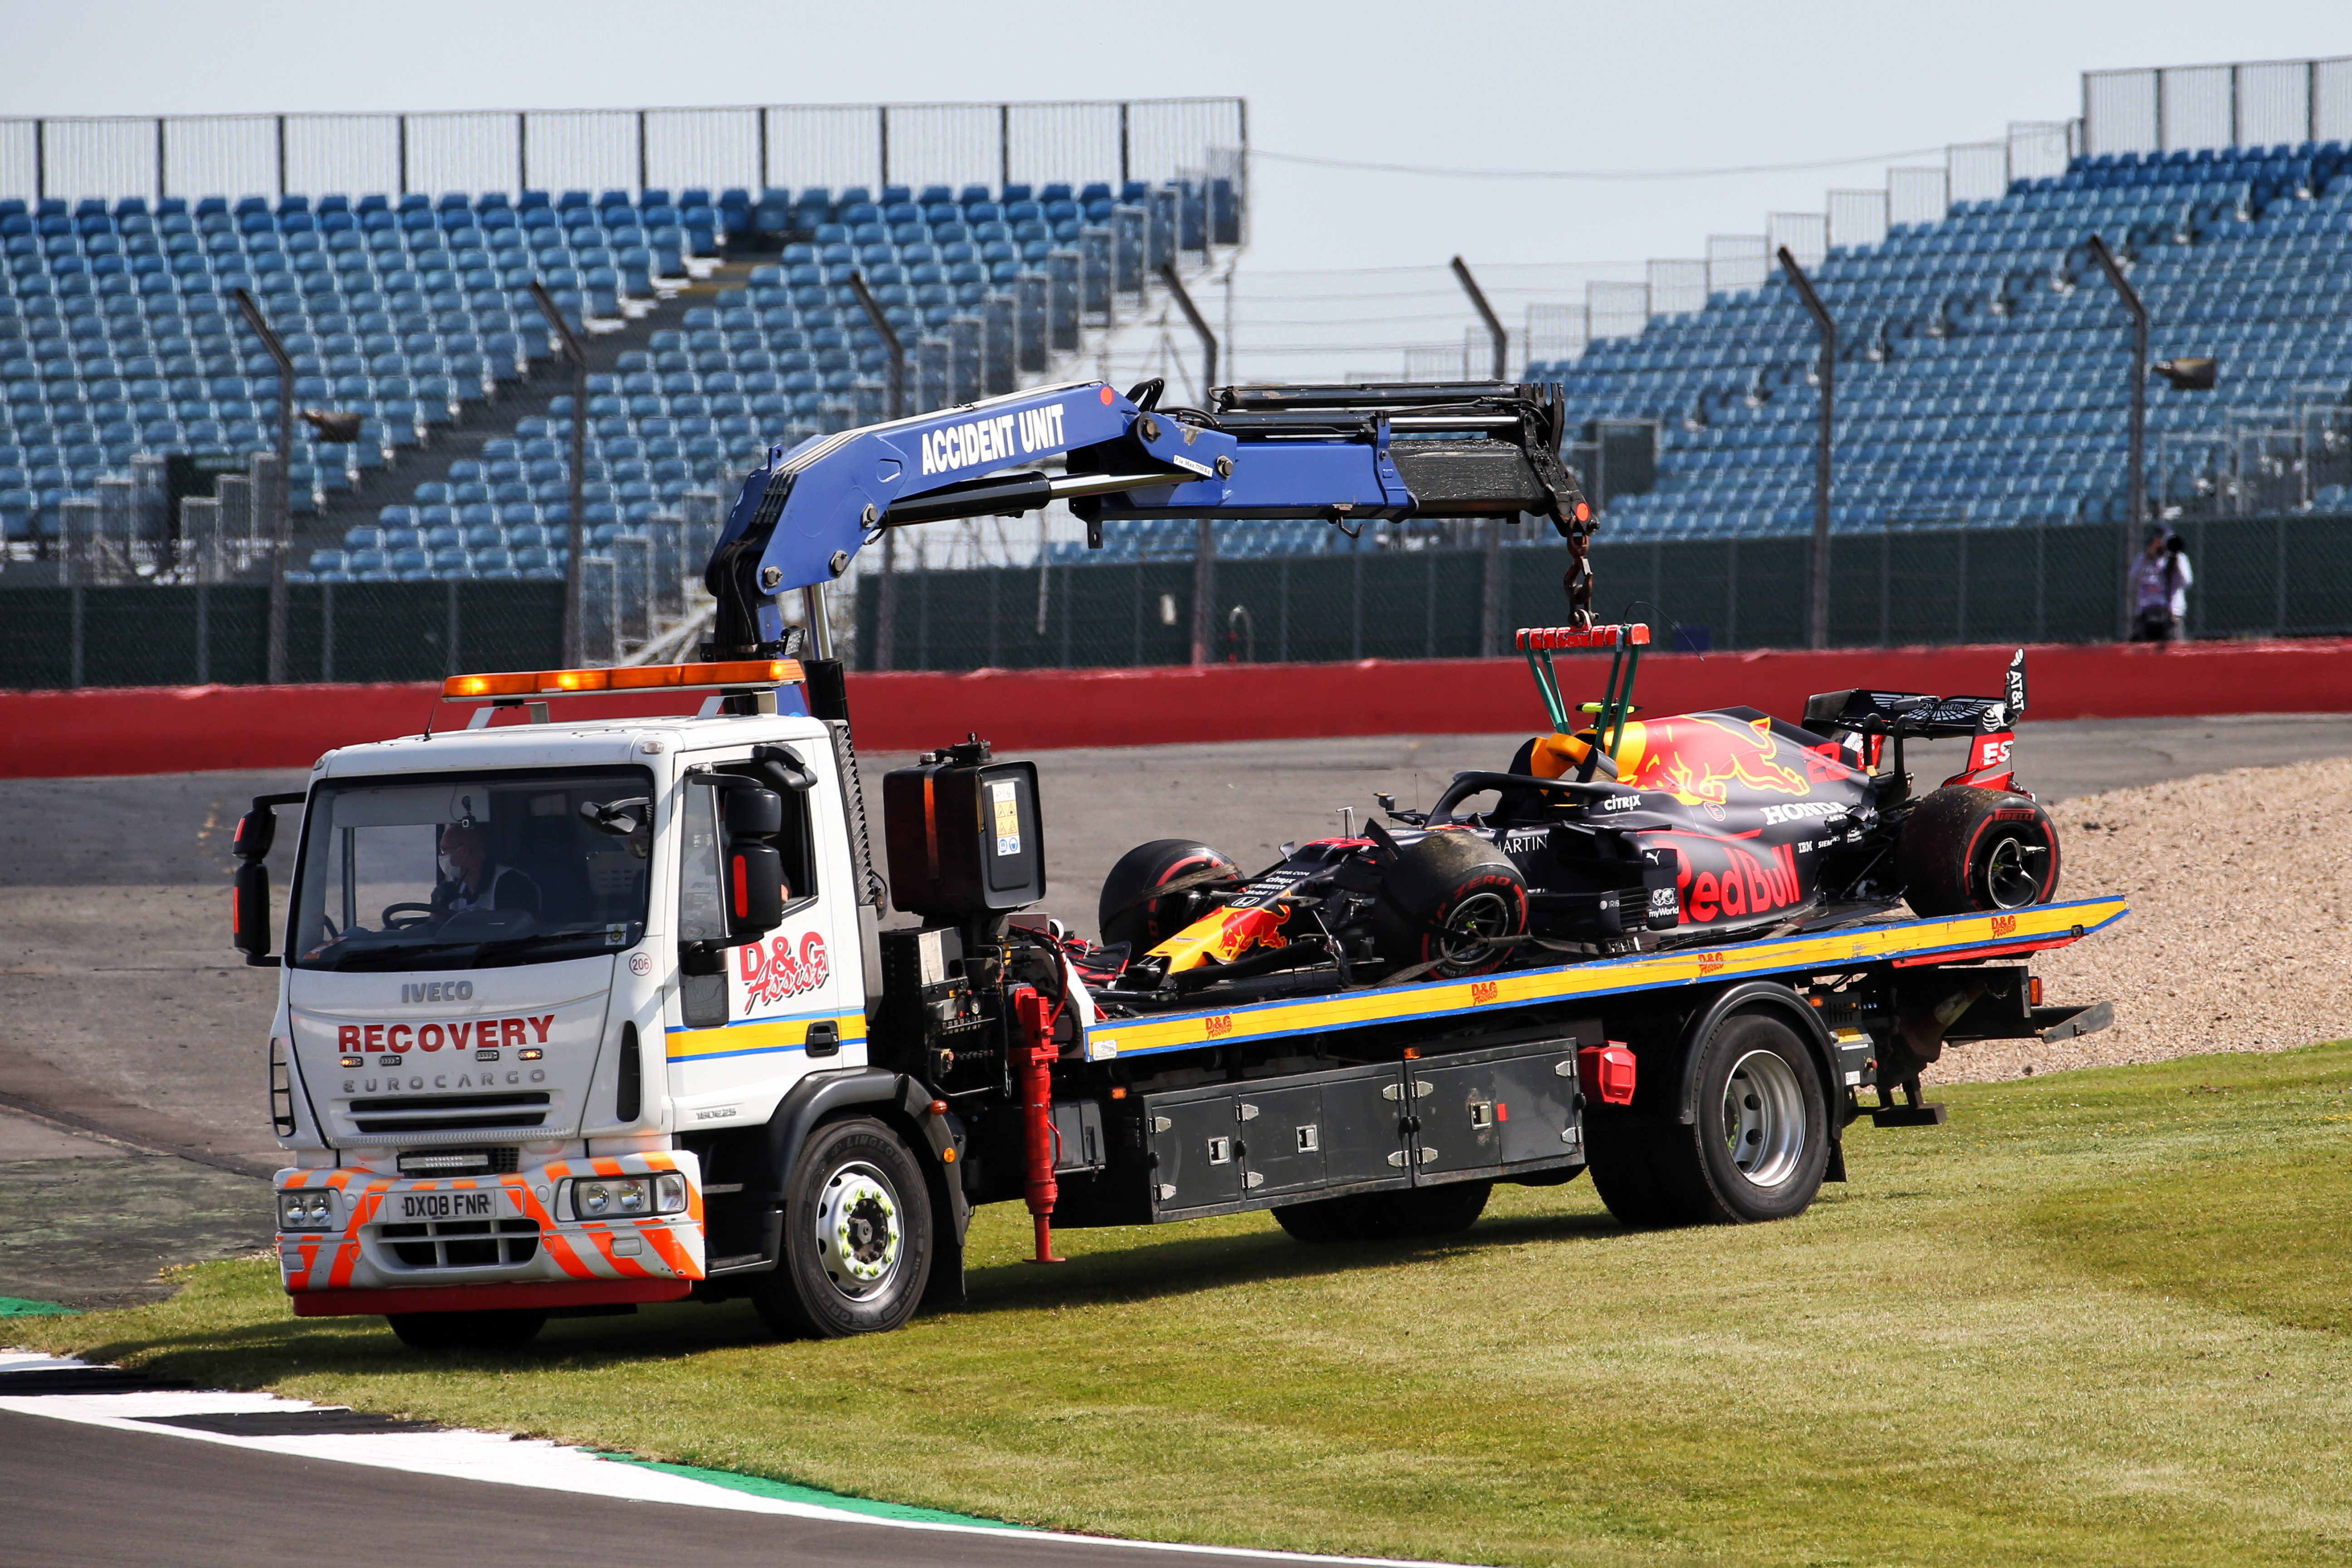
{"points": [[446, 1205]]}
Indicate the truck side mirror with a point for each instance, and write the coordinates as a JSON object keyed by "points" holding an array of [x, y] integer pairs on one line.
{"points": [[755, 868], [755, 889], [753, 813], [249, 911], [255, 831]]}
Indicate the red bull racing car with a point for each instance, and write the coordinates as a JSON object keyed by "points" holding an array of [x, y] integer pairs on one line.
{"points": [[1613, 835]]}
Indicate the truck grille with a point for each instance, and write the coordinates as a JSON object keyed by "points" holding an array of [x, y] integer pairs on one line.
{"points": [[462, 1243], [451, 1112]]}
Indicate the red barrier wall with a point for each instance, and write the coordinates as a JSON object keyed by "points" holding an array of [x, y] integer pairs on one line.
{"points": [[47, 734]]}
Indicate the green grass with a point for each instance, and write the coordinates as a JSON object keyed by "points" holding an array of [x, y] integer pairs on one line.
{"points": [[2100, 1318]]}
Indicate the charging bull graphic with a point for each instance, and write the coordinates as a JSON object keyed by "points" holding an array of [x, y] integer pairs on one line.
{"points": [[1701, 758]]}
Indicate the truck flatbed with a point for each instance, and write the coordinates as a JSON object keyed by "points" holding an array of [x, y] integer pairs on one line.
{"points": [[1901, 944]]}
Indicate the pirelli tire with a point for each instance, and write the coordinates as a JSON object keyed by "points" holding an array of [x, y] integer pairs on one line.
{"points": [[1128, 912], [1449, 901], [503, 1330], [1379, 1217], [1754, 1150], [857, 1243], [1965, 850]]}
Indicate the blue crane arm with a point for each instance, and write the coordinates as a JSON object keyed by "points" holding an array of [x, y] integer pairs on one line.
{"points": [[1348, 454]]}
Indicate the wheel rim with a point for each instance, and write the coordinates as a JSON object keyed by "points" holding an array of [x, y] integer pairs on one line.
{"points": [[858, 1230], [2011, 880], [1764, 1118], [1470, 928]]}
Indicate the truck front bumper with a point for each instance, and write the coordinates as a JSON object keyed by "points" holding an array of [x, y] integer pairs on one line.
{"points": [[510, 1241]]}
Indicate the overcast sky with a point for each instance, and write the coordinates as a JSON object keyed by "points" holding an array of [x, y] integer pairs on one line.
{"points": [[1495, 86]]}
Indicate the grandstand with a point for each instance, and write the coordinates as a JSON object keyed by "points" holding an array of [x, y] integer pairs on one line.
{"points": [[720, 323], [1984, 377]]}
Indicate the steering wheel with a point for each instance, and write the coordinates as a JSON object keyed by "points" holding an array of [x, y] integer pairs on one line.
{"points": [[408, 917]]}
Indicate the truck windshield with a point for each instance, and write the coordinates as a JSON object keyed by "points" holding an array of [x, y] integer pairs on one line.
{"points": [[472, 872]]}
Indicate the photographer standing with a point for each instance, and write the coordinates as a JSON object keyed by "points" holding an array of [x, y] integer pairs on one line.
{"points": [[2160, 589]]}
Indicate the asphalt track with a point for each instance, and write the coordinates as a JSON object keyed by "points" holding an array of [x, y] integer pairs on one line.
{"points": [[93, 1479], [132, 1132]]}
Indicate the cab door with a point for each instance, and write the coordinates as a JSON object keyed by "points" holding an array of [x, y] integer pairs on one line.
{"points": [[766, 1013]]}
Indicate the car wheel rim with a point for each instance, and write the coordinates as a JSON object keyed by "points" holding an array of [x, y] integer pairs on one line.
{"points": [[1764, 1118], [858, 1231], [2009, 878], [1470, 928]]}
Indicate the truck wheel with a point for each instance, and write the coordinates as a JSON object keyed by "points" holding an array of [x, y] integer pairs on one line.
{"points": [[857, 1236], [1755, 1151], [1125, 914], [1376, 1216], [507, 1331], [1446, 900], [1965, 850]]}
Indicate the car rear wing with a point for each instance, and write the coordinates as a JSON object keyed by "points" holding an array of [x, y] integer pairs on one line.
{"points": [[1912, 713]]}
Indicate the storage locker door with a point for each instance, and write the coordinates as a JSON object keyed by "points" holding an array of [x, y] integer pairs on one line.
{"points": [[1198, 1165], [1282, 1132], [1535, 1106], [1454, 1104]]}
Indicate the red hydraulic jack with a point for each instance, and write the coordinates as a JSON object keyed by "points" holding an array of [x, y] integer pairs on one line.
{"points": [[1036, 1057]]}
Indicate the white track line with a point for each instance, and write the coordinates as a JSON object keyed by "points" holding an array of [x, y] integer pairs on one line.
{"points": [[496, 1457]]}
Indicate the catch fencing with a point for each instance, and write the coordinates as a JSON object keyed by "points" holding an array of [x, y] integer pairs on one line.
{"points": [[2275, 576], [754, 147]]}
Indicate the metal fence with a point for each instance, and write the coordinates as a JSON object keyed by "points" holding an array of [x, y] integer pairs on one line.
{"points": [[2255, 577], [756, 147], [2250, 104], [148, 636]]}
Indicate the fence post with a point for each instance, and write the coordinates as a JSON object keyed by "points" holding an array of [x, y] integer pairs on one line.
{"points": [[449, 649], [1961, 590], [326, 634], [282, 154], [203, 634], [73, 655], [523, 166], [641, 154], [1355, 604], [1282, 616], [162, 186], [882, 113]]}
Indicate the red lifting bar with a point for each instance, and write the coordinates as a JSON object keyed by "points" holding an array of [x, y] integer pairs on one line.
{"points": [[1547, 637], [1035, 1062]]}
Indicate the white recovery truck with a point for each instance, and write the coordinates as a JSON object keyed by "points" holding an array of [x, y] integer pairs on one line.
{"points": [[577, 1015]]}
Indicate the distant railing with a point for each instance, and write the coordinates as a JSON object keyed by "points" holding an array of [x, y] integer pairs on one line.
{"points": [[754, 147], [2250, 104]]}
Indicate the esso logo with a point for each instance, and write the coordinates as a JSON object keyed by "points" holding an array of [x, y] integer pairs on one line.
{"points": [[774, 971]]}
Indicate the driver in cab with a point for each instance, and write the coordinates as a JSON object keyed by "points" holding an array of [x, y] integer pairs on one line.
{"points": [[475, 882]]}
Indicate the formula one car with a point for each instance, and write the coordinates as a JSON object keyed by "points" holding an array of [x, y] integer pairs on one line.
{"points": [[1613, 837]]}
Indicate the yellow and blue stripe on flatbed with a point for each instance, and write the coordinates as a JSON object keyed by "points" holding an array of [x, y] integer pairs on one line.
{"points": [[1903, 944]]}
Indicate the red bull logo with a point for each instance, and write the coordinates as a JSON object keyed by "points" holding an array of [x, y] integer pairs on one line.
{"points": [[1697, 758], [1749, 883]]}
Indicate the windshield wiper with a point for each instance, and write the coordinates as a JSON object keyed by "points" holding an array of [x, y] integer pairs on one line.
{"points": [[392, 954]]}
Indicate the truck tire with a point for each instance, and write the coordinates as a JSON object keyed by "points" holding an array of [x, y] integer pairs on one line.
{"points": [[509, 1330], [1125, 914], [1965, 850], [1376, 1216], [1443, 900], [857, 1236], [1755, 1149]]}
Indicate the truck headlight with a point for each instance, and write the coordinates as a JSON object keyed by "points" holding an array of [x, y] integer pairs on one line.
{"points": [[625, 1197], [306, 1211]]}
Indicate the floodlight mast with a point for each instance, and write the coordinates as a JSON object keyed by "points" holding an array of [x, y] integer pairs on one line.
{"points": [[279, 503], [1817, 634], [576, 532]]}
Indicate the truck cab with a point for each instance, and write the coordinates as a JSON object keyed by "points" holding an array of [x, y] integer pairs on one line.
{"points": [[535, 976]]}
